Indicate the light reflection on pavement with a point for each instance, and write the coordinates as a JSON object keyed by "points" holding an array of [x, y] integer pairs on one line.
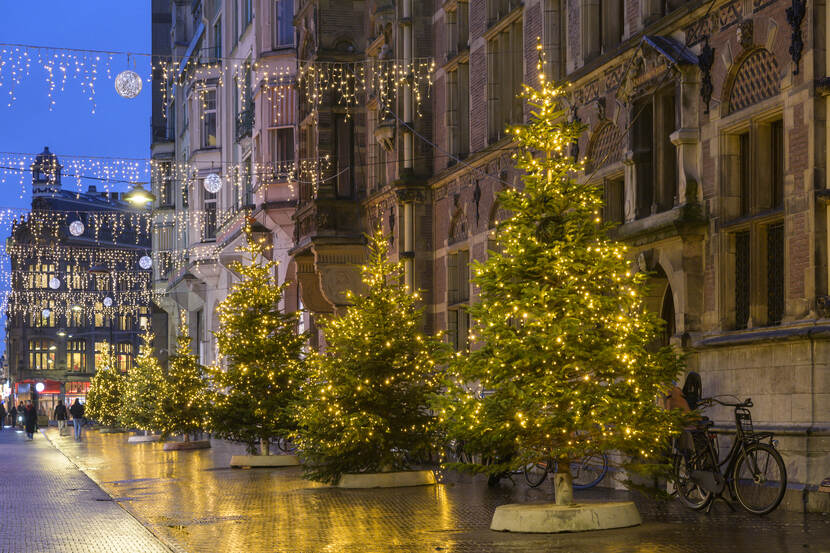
{"points": [[196, 504]]}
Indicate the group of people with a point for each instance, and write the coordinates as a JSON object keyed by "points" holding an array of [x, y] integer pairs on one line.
{"points": [[27, 415]]}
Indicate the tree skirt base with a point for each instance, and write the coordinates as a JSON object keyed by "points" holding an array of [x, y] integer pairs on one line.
{"points": [[549, 518], [387, 479], [255, 461], [143, 439], [184, 446]]}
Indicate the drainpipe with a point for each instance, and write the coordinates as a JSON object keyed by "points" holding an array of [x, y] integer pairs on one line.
{"points": [[408, 222]]}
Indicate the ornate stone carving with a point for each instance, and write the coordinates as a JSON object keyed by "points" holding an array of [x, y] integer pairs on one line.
{"points": [[745, 33], [795, 15], [705, 60]]}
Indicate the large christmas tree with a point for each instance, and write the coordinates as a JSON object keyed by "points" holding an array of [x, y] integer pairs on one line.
{"points": [[367, 403], [144, 381], [260, 384], [566, 364], [183, 403], [103, 400]]}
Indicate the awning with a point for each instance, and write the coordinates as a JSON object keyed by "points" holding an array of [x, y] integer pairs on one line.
{"points": [[49, 386]]}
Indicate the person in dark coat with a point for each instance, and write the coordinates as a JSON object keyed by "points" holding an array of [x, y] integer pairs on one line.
{"points": [[77, 412], [13, 416], [2, 415], [30, 420], [21, 410], [61, 414]]}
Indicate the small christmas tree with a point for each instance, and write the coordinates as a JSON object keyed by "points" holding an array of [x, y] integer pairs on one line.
{"points": [[566, 350], [260, 386], [106, 388], [142, 386], [183, 399], [367, 404]]}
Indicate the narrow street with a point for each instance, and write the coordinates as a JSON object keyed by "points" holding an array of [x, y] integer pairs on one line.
{"points": [[194, 502], [47, 505]]}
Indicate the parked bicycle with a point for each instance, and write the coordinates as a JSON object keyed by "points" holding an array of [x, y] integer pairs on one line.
{"points": [[586, 472], [753, 471]]}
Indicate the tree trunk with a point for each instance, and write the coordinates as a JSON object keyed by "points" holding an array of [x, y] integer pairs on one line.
{"points": [[265, 446], [563, 485], [187, 437]]}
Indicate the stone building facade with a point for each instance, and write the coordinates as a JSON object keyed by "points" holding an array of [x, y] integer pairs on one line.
{"points": [[704, 123], [231, 114]]}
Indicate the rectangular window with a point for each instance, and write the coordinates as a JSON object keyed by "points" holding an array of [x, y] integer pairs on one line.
{"points": [[458, 277], [614, 208], [504, 80], [75, 317], [164, 176], [76, 356], [247, 13], [217, 39], [209, 119], [776, 153], [125, 356], [458, 110], [102, 352], [143, 318], [655, 157], [745, 173], [775, 273], [282, 26], [462, 23], [458, 329], [742, 281], [282, 152], [344, 135], [210, 216], [41, 355]]}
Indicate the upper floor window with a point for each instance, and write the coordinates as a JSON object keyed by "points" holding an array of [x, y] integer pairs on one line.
{"points": [[40, 274], [655, 157], [458, 295], [458, 110], [209, 206], [41, 355], [217, 39], [344, 136], [754, 168], [504, 80], [458, 28], [282, 152], [282, 26], [209, 119], [76, 355], [247, 13], [497, 9], [602, 26], [125, 356]]}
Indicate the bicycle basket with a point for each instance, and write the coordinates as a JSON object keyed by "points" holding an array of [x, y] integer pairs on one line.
{"points": [[743, 419]]}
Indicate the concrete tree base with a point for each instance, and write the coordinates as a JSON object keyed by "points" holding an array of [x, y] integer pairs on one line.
{"points": [[255, 461], [143, 439], [108, 430], [387, 479], [549, 518], [185, 446]]}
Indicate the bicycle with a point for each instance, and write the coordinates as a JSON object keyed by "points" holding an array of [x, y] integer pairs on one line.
{"points": [[587, 472], [752, 471]]}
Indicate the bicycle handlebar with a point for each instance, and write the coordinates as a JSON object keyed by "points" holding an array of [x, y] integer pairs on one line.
{"points": [[746, 403]]}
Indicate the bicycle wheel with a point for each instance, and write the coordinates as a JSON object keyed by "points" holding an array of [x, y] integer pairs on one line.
{"points": [[286, 446], [589, 471], [690, 494], [760, 478], [535, 473]]}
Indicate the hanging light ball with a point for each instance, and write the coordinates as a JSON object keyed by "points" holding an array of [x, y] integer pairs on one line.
{"points": [[46, 313], [54, 283], [213, 183], [128, 84], [108, 302], [145, 262], [76, 228]]}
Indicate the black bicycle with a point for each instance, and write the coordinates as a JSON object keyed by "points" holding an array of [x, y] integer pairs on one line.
{"points": [[753, 470], [586, 472]]}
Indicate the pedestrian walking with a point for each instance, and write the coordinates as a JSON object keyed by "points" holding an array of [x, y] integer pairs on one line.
{"points": [[61, 414], [30, 420], [2, 415], [21, 410], [13, 416], [77, 412]]}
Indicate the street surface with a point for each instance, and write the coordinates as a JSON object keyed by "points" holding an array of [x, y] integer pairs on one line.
{"points": [[47, 505], [195, 503]]}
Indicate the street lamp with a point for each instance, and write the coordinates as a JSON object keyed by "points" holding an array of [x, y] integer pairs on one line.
{"points": [[138, 196]]}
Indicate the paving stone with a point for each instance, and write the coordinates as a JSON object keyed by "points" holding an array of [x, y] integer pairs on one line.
{"points": [[47, 505], [197, 504]]}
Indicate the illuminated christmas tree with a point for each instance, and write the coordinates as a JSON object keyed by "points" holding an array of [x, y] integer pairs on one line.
{"points": [[367, 402], [260, 384], [565, 364], [183, 402], [103, 400], [142, 386]]}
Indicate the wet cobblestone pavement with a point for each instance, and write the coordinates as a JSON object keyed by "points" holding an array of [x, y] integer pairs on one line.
{"points": [[196, 504], [47, 505]]}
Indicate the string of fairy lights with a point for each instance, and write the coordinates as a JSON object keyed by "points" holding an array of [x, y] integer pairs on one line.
{"points": [[346, 82]]}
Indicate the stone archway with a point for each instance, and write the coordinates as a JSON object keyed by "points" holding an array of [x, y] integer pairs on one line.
{"points": [[659, 299]]}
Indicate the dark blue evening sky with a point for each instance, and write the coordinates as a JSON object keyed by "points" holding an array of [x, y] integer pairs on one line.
{"points": [[119, 127]]}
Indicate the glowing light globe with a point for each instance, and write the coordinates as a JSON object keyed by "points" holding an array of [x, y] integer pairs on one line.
{"points": [[108, 302], [46, 313], [213, 183], [54, 283], [76, 228], [40, 387], [145, 262], [128, 84]]}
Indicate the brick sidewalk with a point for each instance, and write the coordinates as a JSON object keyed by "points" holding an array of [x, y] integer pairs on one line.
{"points": [[197, 504], [47, 505]]}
